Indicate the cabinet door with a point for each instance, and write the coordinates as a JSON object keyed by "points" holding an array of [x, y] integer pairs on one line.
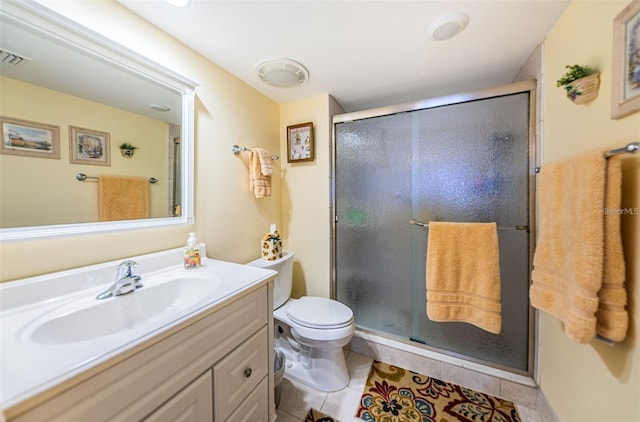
{"points": [[255, 408], [193, 404], [239, 373]]}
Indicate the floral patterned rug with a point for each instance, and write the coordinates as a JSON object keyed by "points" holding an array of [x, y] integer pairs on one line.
{"points": [[317, 416], [394, 394]]}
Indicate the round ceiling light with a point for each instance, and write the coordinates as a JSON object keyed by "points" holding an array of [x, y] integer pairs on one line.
{"points": [[179, 3], [282, 73], [448, 26]]}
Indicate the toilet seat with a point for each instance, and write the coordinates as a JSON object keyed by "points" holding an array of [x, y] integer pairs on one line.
{"points": [[320, 313]]}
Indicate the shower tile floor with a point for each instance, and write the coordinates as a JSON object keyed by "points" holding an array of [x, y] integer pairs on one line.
{"points": [[296, 398]]}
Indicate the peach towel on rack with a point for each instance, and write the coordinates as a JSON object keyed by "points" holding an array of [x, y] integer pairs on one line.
{"points": [[579, 268], [123, 198], [260, 170], [463, 274]]}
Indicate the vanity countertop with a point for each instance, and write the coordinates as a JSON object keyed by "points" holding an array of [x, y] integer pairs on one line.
{"points": [[31, 365]]}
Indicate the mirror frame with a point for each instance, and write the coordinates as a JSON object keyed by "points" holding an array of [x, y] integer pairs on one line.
{"points": [[49, 23]]}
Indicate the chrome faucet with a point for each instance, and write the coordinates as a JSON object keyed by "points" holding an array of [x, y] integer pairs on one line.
{"points": [[125, 282]]}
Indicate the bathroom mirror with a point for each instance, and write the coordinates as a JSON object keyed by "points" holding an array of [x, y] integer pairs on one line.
{"points": [[70, 98]]}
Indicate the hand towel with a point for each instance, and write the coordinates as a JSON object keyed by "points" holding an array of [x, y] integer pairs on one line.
{"points": [[259, 183], [123, 198], [569, 259], [264, 156], [463, 274]]}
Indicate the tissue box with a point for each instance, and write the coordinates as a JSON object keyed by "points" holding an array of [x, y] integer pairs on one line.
{"points": [[271, 247]]}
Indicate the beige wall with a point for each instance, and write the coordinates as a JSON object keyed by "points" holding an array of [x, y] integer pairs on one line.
{"points": [[582, 382], [38, 191], [591, 382], [305, 197], [228, 112]]}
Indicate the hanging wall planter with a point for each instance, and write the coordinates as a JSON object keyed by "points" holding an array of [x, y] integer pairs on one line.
{"points": [[127, 150], [581, 83]]}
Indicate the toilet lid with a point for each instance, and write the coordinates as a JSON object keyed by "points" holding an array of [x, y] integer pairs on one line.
{"points": [[319, 312]]}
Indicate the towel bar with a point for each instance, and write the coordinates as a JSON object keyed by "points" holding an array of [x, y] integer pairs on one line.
{"points": [[629, 148], [421, 224], [238, 149], [82, 177]]}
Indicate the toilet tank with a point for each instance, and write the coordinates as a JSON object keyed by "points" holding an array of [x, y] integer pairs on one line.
{"points": [[282, 283]]}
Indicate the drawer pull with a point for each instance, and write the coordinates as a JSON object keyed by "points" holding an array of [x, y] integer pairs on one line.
{"points": [[247, 372]]}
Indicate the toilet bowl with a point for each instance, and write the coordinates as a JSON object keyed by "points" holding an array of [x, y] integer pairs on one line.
{"points": [[310, 331]]}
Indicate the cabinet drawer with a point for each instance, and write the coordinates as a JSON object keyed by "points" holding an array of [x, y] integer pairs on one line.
{"points": [[240, 372], [254, 408]]}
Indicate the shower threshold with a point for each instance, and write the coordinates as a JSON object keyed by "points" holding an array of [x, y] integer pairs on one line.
{"points": [[404, 352]]}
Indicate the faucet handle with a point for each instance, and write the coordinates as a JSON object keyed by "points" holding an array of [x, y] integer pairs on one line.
{"points": [[125, 269]]}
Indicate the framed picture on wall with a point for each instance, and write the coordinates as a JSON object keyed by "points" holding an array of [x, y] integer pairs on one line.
{"points": [[626, 61], [30, 139], [300, 143], [87, 146]]}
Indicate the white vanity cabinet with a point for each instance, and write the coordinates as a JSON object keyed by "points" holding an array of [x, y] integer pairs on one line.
{"points": [[205, 369]]}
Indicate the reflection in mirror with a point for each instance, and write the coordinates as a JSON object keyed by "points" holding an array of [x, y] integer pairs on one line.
{"points": [[71, 100]]}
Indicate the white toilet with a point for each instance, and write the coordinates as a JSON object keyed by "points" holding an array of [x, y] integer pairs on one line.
{"points": [[311, 331]]}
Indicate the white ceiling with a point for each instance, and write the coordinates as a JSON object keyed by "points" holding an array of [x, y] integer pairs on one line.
{"points": [[59, 66], [364, 53]]}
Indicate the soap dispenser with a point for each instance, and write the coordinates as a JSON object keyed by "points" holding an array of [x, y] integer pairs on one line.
{"points": [[192, 253], [272, 245]]}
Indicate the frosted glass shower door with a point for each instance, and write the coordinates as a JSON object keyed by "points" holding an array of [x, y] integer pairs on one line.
{"points": [[465, 162], [373, 207], [470, 164]]}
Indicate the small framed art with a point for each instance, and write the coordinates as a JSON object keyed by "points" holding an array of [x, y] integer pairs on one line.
{"points": [[626, 61], [300, 145], [29, 139], [87, 146]]}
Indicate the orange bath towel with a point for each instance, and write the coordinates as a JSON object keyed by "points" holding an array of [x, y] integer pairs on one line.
{"points": [[123, 198], [578, 273], [612, 319], [463, 274]]}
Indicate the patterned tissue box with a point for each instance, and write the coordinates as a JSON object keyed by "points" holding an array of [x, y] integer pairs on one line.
{"points": [[271, 246]]}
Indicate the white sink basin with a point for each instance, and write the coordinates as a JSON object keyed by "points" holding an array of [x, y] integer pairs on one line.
{"points": [[53, 328], [89, 318]]}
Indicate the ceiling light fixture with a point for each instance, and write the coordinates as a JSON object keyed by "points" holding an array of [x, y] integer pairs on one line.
{"points": [[448, 26], [159, 107], [178, 3], [282, 73]]}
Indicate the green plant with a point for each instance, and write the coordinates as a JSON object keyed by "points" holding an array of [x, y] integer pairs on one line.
{"points": [[126, 145], [574, 73]]}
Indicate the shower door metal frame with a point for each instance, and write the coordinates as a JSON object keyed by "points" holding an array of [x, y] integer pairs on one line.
{"points": [[499, 91]]}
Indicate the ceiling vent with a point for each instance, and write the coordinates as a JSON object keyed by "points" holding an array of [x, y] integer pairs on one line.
{"points": [[282, 73], [11, 58]]}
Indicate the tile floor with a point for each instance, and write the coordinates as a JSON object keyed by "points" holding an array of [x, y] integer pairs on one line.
{"points": [[296, 398]]}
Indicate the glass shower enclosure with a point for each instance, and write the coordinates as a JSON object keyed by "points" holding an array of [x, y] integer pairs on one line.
{"points": [[463, 158]]}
